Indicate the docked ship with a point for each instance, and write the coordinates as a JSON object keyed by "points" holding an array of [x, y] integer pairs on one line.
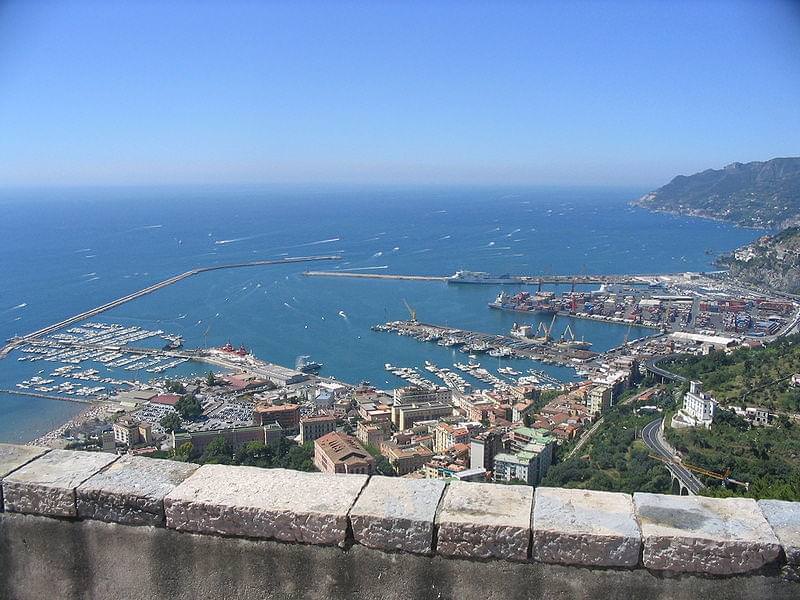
{"points": [[481, 277], [524, 302], [174, 342], [304, 365]]}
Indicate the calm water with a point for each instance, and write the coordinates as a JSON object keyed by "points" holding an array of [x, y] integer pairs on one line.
{"points": [[68, 250]]}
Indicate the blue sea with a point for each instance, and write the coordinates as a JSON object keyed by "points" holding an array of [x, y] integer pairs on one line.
{"points": [[67, 250]]}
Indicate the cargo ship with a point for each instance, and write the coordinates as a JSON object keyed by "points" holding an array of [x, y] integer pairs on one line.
{"points": [[524, 302], [484, 278]]}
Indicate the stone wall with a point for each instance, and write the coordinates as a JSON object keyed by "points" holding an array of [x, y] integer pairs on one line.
{"points": [[92, 525]]}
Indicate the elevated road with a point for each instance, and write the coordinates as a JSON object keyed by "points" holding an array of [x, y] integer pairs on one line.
{"points": [[652, 437], [18, 341], [651, 366]]}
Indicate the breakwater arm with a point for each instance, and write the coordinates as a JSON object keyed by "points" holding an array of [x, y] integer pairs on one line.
{"points": [[15, 342]]}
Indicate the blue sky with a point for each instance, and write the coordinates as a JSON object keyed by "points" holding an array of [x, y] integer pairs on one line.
{"points": [[584, 93]]}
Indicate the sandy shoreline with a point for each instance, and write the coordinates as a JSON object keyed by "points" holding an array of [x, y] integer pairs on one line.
{"points": [[54, 438]]}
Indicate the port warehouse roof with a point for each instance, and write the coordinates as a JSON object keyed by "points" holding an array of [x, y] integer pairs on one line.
{"points": [[699, 338]]}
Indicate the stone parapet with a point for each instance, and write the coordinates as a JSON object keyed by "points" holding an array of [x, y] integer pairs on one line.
{"points": [[695, 536]]}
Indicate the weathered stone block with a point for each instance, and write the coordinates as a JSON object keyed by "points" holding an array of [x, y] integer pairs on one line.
{"points": [[131, 490], [47, 485], [582, 527], [784, 518], [707, 535], [484, 520], [12, 457], [264, 503], [397, 514]]}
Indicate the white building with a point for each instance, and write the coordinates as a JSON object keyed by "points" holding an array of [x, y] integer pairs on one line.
{"points": [[698, 408]]}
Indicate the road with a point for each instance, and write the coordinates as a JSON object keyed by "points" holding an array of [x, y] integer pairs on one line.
{"points": [[652, 366], [651, 434]]}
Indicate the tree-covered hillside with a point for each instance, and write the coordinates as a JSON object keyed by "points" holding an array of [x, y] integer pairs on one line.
{"points": [[755, 194]]}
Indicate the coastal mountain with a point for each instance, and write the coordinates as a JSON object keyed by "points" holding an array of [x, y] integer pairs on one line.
{"points": [[756, 194], [769, 262]]}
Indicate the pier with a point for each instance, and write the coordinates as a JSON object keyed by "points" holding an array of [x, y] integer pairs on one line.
{"points": [[18, 341], [550, 352], [537, 280]]}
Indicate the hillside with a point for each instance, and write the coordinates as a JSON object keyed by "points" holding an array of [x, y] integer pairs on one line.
{"points": [[756, 194], [770, 261], [767, 457]]}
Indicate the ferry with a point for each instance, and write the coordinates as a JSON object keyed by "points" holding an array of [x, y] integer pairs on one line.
{"points": [[482, 277], [307, 366]]}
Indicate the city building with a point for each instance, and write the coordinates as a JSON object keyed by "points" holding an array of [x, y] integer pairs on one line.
{"points": [[165, 399], [599, 399], [285, 415], [698, 408], [405, 459], [130, 432], [411, 394], [406, 415], [315, 427], [235, 437], [372, 434], [483, 448], [340, 453], [446, 436], [530, 459]]}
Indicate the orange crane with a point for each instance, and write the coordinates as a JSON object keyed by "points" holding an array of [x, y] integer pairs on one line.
{"points": [[723, 477]]}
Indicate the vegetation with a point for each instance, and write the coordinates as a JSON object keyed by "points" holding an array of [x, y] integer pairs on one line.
{"points": [[615, 458], [189, 407], [175, 387], [772, 262], [752, 377], [382, 464], [768, 458], [210, 379], [284, 454], [170, 422], [755, 194]]}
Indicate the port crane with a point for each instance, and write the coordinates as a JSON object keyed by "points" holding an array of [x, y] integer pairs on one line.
{"points": [[723, 477], [544, 332], [412, 313]]}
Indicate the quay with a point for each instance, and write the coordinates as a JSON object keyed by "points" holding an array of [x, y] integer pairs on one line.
{"points": [[549, 352], [537, 280], [18, 341], [85, 400], [374, 276]]}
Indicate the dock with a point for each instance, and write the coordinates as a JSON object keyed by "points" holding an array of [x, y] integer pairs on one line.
{"points": [[537, 280], [549, 352], [18, 341]]}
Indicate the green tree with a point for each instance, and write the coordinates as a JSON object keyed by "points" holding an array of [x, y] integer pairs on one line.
{"points": [[189, 407], [170, 422], [210, 379], [184, 452], [384, 467], [218, 451]]}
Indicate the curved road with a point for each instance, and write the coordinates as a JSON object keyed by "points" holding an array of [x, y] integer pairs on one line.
{"points": [[651, 434], [652, 366]]}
